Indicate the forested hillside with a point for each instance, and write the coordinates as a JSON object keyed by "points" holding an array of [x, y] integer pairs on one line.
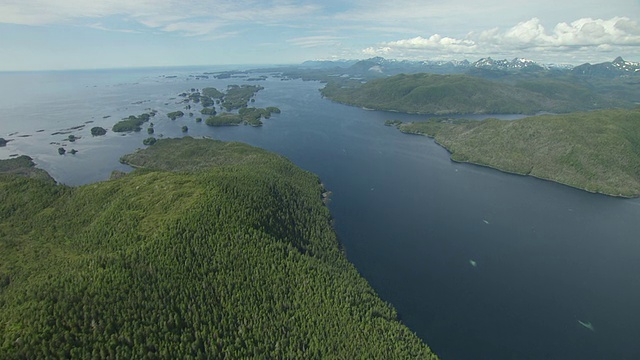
{"points": [[598, 151], [212, 250], [463, 94]]}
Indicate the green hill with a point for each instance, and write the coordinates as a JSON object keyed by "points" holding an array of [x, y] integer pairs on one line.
{"points": [[597, 151], [463, 94], [208, 250]]}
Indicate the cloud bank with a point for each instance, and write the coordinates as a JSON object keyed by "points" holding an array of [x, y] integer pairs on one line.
{"points": [[583, 35]]}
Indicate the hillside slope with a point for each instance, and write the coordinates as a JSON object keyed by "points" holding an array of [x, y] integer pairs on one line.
{"points": [[229, 258], [463, 94], [597, 151]]}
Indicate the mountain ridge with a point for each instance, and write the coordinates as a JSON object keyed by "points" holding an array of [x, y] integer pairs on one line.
{"points": [[386, 67]]}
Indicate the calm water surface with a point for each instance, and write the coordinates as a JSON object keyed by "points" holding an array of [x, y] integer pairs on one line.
{"points": [[479, 263]]}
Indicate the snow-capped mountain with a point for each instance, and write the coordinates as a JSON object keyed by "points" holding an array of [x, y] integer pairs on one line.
{"points": [[515, 64], [627, 66], [617, 67], [484, 67]]}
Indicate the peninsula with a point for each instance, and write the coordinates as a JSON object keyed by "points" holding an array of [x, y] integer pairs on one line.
{"points": [[597, 151], [207, 250]]}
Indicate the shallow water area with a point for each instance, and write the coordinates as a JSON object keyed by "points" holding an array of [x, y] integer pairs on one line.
{"points": [[479, 263]]}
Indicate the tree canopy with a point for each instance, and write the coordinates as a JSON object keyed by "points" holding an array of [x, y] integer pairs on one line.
{"points": [[208, 250]]}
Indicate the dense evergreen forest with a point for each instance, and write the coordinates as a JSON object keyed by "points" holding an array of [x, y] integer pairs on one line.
{"points": [[598, 151], [207, 250], [465, 94]]}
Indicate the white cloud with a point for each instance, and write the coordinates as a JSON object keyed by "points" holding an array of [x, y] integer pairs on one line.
{"points": [[315, 41], [370, 51], [192, 28], [43, 12], [582, 35], [435, 42], [100, 26], [453, 28], [192, 18], [582, 32]]}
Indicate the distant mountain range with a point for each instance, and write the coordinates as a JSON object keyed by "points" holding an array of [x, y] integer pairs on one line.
{"points": [[515, 64], [513, 86], [379, 66], [617, 67]]}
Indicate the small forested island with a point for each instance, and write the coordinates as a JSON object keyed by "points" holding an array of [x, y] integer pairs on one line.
{"points": [[149, 141], [224, 119], [208, 111], [207, 250], [98, 131], [597, 151], [239, 96], [175, 114], [132, 123], [250, 116]]}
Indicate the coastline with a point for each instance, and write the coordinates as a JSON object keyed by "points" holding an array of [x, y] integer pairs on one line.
{"points": [[451, 154]]}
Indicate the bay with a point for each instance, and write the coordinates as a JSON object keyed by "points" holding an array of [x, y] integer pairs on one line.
{"points": [[479, 263]]}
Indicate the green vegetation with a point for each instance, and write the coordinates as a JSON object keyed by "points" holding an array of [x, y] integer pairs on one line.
{"points": [[185, 128], [23, 166], [224, 119], [132, 123], [198, 119], [72, 138], [194, 96], [150, 130], [206, 101], [213, 250], [250, 116], [253, 115], [149, 141], [3, 142], [236, 97], [239, 96], [208, 111], [175, 114], [212, 93], [62, 151], [258, 78], [464, 94], [597, 151], [98, 131], [273, 110]]}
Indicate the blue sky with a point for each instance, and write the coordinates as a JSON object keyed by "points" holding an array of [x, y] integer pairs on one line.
{"points": [[85, 34]]}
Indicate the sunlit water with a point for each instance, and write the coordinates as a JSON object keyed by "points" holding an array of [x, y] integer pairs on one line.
{"points": [[479, 263]]}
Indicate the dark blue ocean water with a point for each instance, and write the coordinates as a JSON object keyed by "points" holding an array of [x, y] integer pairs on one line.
{"points": [[480, 264]]}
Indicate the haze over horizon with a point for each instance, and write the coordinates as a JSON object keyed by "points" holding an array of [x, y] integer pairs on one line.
{"points": [[75, 34]]}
